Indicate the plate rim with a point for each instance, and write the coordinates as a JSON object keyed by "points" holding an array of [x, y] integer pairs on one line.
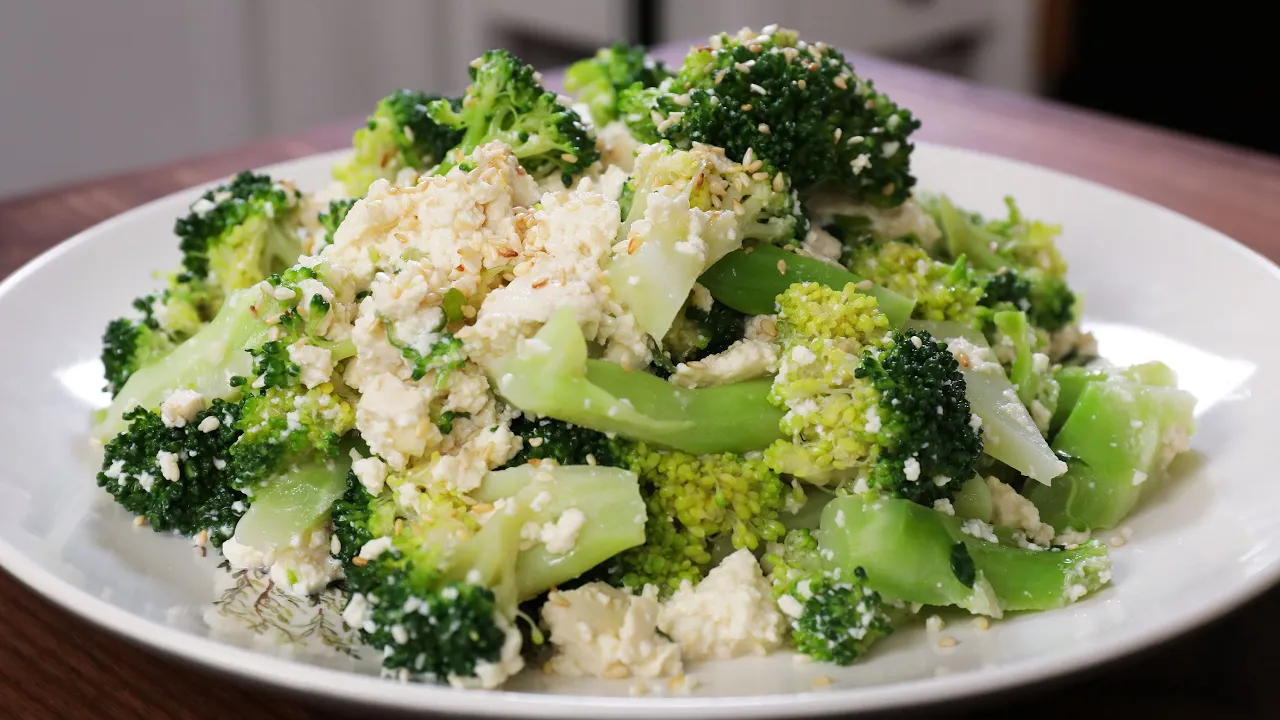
{"points": [[354, 688]]}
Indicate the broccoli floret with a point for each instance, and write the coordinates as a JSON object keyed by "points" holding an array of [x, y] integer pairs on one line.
{"points": [[399, 135], [331, 218], [422, 618], [506, 102], [129, 346], [690, 208], [698, 333], [1029, 369], [597, 81], [442, 355], [565, 443], [797, 107], [359, 517], [1016, 259], [176, 477], [241, 233], [693, 503], [941, 291], [866, 403], [833, 619]]}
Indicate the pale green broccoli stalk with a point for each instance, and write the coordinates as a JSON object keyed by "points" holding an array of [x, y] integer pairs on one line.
{"points": [[1072, 380], [1029, 372], [1120, 438], [292, 504], [974, 501], [866, 404], [690, 208], [207, 363], [597, 81], [750, 281], [606, 499], [550, 375], [1009, 433], [941, 291], [914, 554]]}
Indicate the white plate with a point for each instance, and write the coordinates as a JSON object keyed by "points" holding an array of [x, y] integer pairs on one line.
{"points": [[1158, 286]]}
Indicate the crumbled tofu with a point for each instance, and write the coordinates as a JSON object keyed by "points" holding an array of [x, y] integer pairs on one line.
{"points": [[1011, 510], [731, 613], [974, 357], [181, 407], [490, 675], [744, 360], [315, 363], [601, 631], [371, 472], [561, 536], [301, 568], [1072, 537], [169, 467], [209, 424], [979, 529]]}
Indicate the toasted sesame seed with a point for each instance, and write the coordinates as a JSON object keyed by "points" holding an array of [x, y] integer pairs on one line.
{"points": [[782, 267], [757, 89], [1117, 541], [746, 157], [139, 521], [981, 624], [720, 76], [800, 83], [839, 132], [760, 175], [359, 561], [746, 107], [821, 681], [742, 67], [947, 642], [540, 282], [779, 183], [569, 157], [755, 165], [737, 208], [764, 129], [633, 244], [840, 82], [682, 100], [656, 117]]}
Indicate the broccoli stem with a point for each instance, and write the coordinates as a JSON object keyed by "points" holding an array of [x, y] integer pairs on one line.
{"points": [[205, 363], [749, 281], [292, 504], [608, 497], [969, 239], [974, 500], [1116, 438], [913, 554], [550, 375], [1072, 381], [1009, 433], [1022, 372]]}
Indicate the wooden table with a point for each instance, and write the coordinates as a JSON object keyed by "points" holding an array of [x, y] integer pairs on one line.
{"points": [[54, 665]]}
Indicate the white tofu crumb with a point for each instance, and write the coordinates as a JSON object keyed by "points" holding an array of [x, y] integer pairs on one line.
{"points": [[181, 407], [731, 613], [371, 472], [944, 506], [169, 467], [1139, 477], [209, 424], [602, 631], [911, 469], [375, 547]]}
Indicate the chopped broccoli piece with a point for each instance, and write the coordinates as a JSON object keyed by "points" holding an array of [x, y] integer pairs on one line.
{"points": [[565, 443], [690, 208], [598, 81], [1120, 438], [293, 503], [1029, 372], [550, 375], [1011, 434], [506, 102], [698, 333], [866, 403], [914, 554], [200, 497], [941, 291], [399, 135], [833, 619], [693, 503], [750, 282], [331, 218], [797, 107], [129, 346], [239, 234]]}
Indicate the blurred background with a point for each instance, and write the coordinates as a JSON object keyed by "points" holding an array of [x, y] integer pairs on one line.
{"points": [[89, 88]]}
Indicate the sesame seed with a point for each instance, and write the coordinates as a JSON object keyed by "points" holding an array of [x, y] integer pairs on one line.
{"points": [[359, 561], [755, 165], [742, 67], [746, 107], [755, 48], [738, 209], [720, 76], [782, 267], [840, 82], [760, 175], [839, 132], [757, 89], [947, 642], [139, 521], [535, 442], [746, 157], [800, 83], [569, 157], [540, 282], [821, 681], [682, 100], [981, 624], [779, 183], [656, 117], [763, 128], [1117, 541]]}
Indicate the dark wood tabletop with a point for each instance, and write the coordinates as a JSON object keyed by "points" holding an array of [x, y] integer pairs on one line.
{"points": [[55, 665]]}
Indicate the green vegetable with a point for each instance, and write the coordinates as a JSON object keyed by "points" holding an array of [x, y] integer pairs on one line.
{"points": [[914, 554], [751, 281], [399, 135], [597, 81]]}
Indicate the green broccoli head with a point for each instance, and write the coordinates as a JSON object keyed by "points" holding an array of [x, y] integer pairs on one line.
{"points": [[695, 503], [698, 333], [128, 346], [399, 135], [833, 619], [506, 102], [421, 620], [238, 234], [867, 404], [599, 80], [332, 217], [942, 292], [177, 477], [359, 517], [798, 107], [565, 443], [286, 426]]}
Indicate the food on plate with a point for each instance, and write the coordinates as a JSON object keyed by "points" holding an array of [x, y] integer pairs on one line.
{"points": [[683, 367]]}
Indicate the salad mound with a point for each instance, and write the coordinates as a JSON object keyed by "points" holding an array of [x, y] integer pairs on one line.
{"points": [[681, 368]]}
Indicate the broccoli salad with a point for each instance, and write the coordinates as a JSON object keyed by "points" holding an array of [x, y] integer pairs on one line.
{"points": [[678, 367]]}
